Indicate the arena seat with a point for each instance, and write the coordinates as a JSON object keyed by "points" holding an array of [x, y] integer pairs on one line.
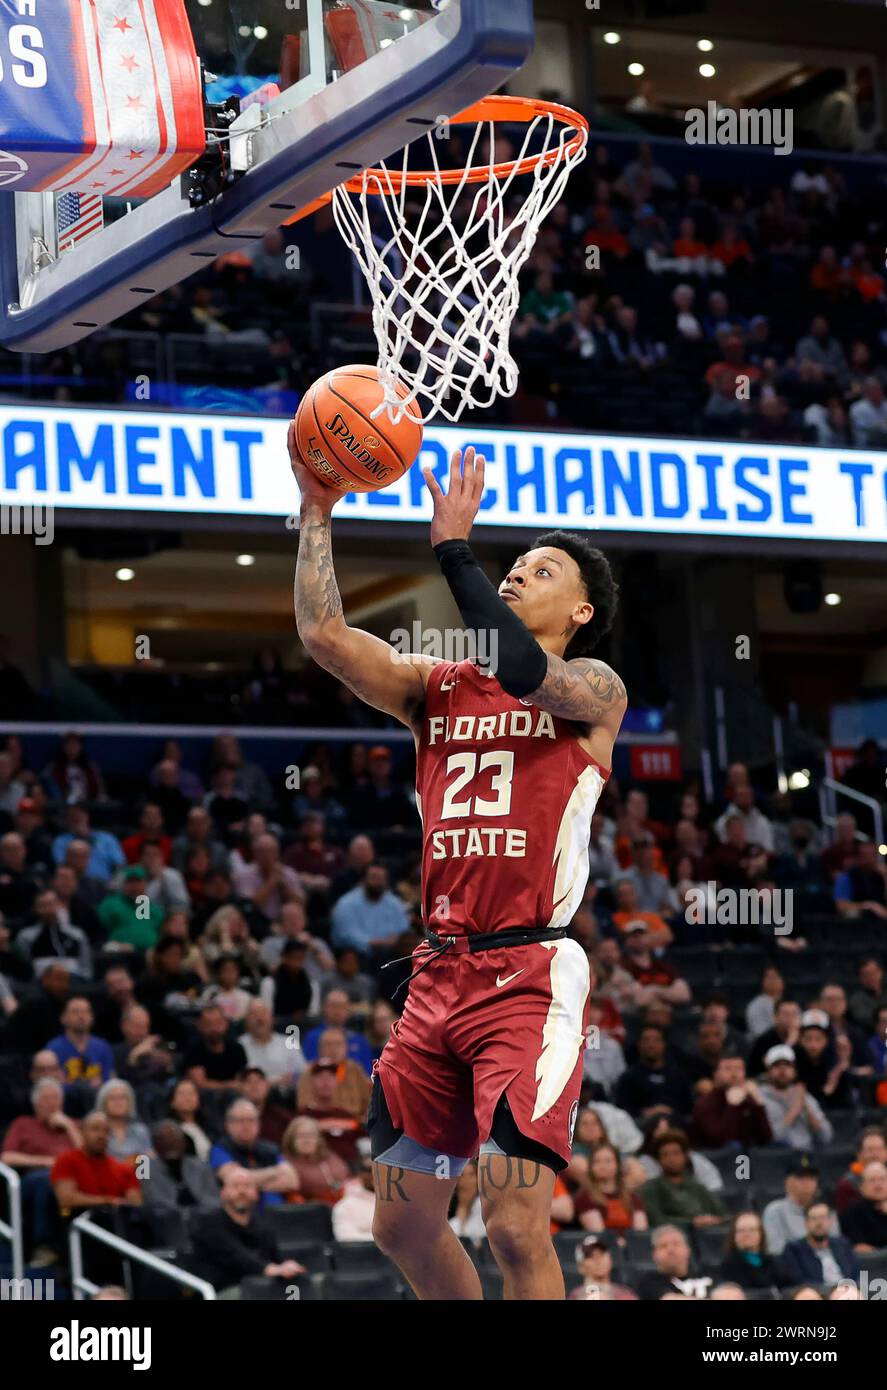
{"points": [[638, 1249], [566, 1244], [743, 1197], [480, 1253], [360, 1288], [314, 1256], [256, 1288], [491, 1283], [833, 1163], [302, 1223], [357, 1257], [768, 1167], [724, 1159], [846, 1125], [874, 1263], [711, 1243]]}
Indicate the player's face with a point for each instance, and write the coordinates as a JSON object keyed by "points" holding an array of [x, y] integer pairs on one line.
{"points": [[545, 589]]}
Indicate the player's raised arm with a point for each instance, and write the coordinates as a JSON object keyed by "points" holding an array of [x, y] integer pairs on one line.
{"points": [[546, 605], [372, 669]]}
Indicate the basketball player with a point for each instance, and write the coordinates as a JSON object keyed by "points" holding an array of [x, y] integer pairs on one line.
{"points": [[487, 1056]]}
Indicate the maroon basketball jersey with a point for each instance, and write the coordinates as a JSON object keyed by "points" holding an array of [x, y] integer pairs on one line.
{"points": [[506, 796]]}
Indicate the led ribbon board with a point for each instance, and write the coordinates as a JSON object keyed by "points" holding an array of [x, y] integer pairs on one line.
{"points": [[166, 462]]}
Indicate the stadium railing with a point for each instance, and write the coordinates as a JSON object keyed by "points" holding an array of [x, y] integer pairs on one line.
{"points": [[83, 1226], [11, 1230], [830, 790]]}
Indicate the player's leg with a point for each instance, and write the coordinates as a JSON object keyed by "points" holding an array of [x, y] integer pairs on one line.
{"points": [[422, 1129], [524, 1039], [410, 1225], [516, 1186]]}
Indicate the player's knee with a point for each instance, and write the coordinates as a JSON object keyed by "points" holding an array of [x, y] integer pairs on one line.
{"points": [[515, 1233], [390, 1230], [398, 1228]]}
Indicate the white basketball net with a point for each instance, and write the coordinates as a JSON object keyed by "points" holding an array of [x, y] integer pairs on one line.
{"points": [[442, 259]]}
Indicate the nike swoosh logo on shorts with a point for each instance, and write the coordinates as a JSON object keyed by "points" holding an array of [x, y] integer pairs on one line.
{"points": [[447, 685], [508, 978]]}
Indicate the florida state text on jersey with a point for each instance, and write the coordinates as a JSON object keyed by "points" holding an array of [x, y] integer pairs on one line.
{"points": [[506, 794]]}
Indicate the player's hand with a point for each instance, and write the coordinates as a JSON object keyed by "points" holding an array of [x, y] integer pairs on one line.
{"points": [[455, 509], [310, 487]]}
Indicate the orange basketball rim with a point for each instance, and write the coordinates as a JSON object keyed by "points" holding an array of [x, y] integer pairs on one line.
{"points": [[500, 110]]}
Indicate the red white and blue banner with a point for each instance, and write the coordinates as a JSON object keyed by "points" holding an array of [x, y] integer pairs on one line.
{"points": [[97, 96]]}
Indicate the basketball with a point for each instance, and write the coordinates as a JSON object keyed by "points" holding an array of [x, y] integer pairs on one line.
{"points": [[339, 439]]}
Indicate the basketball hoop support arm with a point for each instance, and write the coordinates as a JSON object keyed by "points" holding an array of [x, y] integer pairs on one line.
{"points": [[463, 54]]}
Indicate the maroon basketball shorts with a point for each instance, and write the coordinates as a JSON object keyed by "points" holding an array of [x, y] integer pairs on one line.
{"points": [[507, 1022]]}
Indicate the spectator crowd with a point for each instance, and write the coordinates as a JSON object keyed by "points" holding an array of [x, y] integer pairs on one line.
{"points": [[195, 982], [655, 299]]}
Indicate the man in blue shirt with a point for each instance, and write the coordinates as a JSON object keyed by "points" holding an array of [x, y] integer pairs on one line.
{"points": [[107, 855], [241, 1147], [370, 916], [335, 1013], [819, 1257], [82, 1057]]}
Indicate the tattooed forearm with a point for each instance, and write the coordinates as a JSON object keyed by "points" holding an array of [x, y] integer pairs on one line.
{"points": [[372, 669], [585, 689], [316, 594]]}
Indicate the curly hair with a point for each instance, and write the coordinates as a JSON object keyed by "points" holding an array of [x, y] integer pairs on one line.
{"points": [[601, 589]]}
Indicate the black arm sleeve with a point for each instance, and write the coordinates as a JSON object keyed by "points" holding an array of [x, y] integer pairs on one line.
{"points": [[517, 660]]}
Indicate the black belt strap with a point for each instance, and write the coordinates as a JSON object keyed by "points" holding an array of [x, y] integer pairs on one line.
{"points": [[491, 941], [485, 941]]}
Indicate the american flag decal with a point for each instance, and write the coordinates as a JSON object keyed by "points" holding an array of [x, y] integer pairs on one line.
{"points": [[78, 215]]}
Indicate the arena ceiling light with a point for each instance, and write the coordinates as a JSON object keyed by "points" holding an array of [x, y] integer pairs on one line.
{"points": [[612, 37], [799, 781], [704, 45], [245, 560], [124, 575], [260, 32], [707, 70], [636, 69], [832, 600]]}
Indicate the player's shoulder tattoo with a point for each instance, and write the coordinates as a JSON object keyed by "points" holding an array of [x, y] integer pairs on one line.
{"points": [[608, 687]]}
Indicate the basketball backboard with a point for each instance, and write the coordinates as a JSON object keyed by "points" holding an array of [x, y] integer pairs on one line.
{"points": [[301, 95]]}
